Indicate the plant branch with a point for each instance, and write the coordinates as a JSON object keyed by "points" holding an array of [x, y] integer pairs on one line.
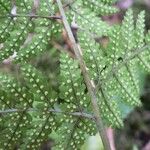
{"points": [[32, 16], [78, 114], [89, 84]]}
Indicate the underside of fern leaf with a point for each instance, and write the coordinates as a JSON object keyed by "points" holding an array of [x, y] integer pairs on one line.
{"points": [[31, 109]]}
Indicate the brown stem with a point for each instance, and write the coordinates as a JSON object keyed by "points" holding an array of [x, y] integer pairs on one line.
{"points": [[89, 84]]}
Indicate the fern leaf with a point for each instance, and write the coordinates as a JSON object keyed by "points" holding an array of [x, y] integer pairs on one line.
{"points": [[6, 27], [139, 31], [99, 6], [108, 1], [74, 131], [37, 83], [13, 44], [87, 21], [72, 91], [44, 121], [71, 88], [13, 128], [101, 61], [42, 125], [5, 6], [30, 109], [127, 30]]}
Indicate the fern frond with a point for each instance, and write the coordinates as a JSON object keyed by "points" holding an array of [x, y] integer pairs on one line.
{"points": [[6, 27], [140, 29], [72, 92], [37, 95], [124, 82], [30, 108], [108, 1], [74, 131], [45, 97], [127, 31], [22, 27], [42, 125], [13, 128], [87, 21], [16, 39], [8, 84], [38, 85], [140, 40], [5, 6], [99, 7]]}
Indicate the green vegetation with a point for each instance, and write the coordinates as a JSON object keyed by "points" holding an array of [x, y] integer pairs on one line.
{"points": [[33, 108]]}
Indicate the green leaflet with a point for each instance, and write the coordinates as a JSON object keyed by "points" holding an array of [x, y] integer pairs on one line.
{"points": [[14, 124], [16, 127], [87, 20], [45, 97], [108, 1], [72, 88], [139, 30], [22, 29], [5, 6], [39, 86], [6, 27], [17, 91], [72, 91], [73, 132], [144, 58], [127, 33], [42, 125], [99, 7], [17, 38]]}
